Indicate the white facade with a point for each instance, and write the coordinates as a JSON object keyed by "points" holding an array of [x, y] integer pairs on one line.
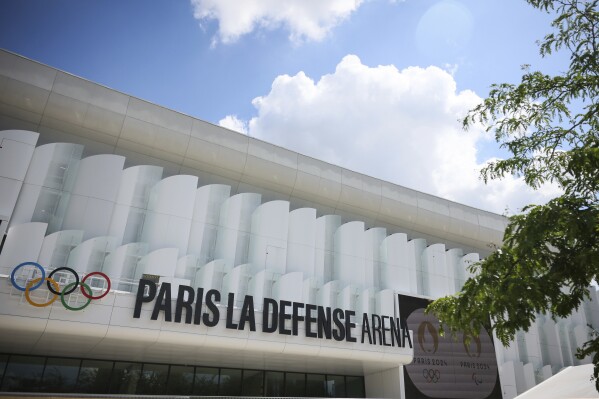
{"points": [[98, 181]]}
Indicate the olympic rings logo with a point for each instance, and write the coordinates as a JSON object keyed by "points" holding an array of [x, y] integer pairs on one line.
{"points": [[54, 287], [431, 375]]}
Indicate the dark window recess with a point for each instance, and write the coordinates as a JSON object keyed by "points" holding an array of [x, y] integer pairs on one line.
{"points": [[72, 375]]}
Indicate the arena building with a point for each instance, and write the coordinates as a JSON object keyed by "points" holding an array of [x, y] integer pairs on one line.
{"points": [[148, 252]]}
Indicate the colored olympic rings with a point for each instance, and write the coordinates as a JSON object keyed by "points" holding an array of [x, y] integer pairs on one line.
{"points": [[431, 375], [54, 287]]}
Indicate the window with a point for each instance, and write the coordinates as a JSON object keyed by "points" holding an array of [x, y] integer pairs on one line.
{"points": [[206, 381], [335, 386], [125, 377], [23, 374], [94, 376], [180, 380], [295, 384], [274, 383], [153, 379], [253, 383], [230, 382], [60, 375], [315, 385]]}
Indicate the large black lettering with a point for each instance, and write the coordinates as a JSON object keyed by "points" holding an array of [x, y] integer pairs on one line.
{"points": [[247, 314], [197, 313], [366, 328], [310, 320], [163, 302], [296, 317], [349, 325], [284, 316], [395, 332], [268, 304], [385, 329], [376, 329], [186, 303], [324, 322], [212, 297], [230, 305], [141, 298], [405, 333], [339, 331]]}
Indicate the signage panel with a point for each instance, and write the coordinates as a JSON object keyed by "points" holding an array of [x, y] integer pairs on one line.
{"points": [[445, 367]]}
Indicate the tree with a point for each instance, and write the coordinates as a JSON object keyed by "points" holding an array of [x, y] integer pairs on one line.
{"points": [[550, 127]]}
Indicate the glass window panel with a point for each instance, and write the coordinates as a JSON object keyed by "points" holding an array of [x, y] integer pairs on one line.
{"points": [[206, 381], [153, 379], [315, 385], [230, 382], [274, 383], [94, 376], [60, 375], [23, 374], [252, 383], [354, 387], [125, 377], [335, 386], [180, 380], [3, 361], [295, 384]]}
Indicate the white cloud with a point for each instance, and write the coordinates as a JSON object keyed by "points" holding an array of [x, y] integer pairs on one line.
{"points": [[304, 19], [234, 123], [402, 126]]}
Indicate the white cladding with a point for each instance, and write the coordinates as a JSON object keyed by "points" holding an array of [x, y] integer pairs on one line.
{"points": [[149, 190]]}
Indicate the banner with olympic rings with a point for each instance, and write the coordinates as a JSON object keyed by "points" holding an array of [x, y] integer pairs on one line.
{"points": [[54, 286]]}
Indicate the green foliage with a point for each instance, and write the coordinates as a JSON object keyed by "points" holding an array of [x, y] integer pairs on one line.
{"points": [[550, 126]]}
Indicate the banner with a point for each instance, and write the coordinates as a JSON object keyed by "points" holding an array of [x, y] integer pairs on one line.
{"points": [[445, 367]]}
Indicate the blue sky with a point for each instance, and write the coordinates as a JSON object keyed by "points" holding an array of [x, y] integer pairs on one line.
{"points": [[314, 68]]}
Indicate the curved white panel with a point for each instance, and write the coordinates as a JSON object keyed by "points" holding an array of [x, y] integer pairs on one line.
{"points": [[348, 297], [349, 265], [206, 215], [49, 180], [234, 228], [268, 239], [187, 267], [301, 242], [94, 192], [373, 239], [310, 290], [210, 276], [455, 271], [415, 249], [435, 270], [16, 150], [161, 262], [51, 163], [121, 264], [89, 256], [327, 294], [236, 282], [23, 244], [132, 201], [57, 247], [289, 287], [365, 301], [396, 272], [260, 286], [326, 226], [384, 302], [170, 209]]}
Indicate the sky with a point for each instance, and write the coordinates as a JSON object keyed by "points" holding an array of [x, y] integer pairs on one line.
{"points": [[375, 86]]}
